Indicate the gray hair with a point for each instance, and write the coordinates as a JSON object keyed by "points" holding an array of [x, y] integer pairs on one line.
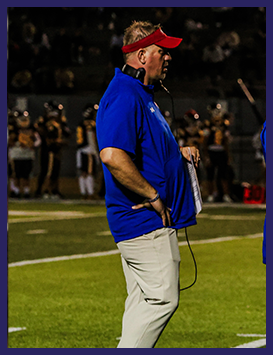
{"points": [[137, 31]]}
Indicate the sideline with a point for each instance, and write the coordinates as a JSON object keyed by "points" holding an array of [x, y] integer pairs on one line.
{"points": [[116, 251]]}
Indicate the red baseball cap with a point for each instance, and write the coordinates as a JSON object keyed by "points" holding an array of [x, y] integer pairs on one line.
{"points": [[158, 38]]}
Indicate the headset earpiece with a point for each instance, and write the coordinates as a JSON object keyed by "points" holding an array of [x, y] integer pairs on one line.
{"points": [[135, 73]]}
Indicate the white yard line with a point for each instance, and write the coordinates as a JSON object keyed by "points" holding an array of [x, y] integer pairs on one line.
{"points": [[104, 233], [116, 251], [36, 231], [221, 239], [37, 216], [253, 344], [42, 213], [229, 217], [252, 335], [62, 258], [13, 329], [56, 216]]}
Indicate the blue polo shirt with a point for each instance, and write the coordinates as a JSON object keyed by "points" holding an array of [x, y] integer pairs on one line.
{"points": [[129, 119]]}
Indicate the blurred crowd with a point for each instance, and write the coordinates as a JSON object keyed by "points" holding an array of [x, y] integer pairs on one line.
{"points": [[41, 140], [53, 51], [50, 49]]}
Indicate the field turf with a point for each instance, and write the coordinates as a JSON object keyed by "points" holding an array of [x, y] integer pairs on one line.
{"points": [[78, 301]]}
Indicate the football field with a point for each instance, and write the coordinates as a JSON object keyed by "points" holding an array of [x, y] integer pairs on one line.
{"points": [[66, 287]]}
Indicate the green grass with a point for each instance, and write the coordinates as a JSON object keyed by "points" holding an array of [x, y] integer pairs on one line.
{"points": [[77, 236], [79, 303], [62, 237]]}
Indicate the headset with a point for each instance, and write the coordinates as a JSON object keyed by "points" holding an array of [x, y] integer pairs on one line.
{"points": [[135, 73], [140, 74]]}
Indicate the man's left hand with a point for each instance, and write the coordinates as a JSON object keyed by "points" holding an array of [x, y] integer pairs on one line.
{"points": [[162, 210], [188, 151]]}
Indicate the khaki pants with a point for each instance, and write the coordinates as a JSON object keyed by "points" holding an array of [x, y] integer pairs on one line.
{"points": [[151, 268]]}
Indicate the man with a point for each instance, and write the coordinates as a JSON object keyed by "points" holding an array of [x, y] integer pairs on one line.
{"points": [[148, 193]]}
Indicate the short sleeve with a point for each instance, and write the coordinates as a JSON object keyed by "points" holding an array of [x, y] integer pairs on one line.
{"points": [[117, 123]]}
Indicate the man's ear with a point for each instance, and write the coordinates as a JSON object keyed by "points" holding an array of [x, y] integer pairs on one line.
{"points": [[141, 55]]}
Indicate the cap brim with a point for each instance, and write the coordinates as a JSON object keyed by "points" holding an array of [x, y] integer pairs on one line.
{"points": [[169, 42], [158, 38]]}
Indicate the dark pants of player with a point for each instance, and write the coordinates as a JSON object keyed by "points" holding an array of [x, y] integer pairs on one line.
{"points": [[43, 169], [218, 160], [23, 168], [88, 165], [10, 170], [219, 164], [53, 172]]}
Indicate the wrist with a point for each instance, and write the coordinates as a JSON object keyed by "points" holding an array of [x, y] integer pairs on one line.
{"points": [[155, 198]]}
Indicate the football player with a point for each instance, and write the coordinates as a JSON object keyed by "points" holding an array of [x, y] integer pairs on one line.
{"points": [[87, 156], [23, 140]]}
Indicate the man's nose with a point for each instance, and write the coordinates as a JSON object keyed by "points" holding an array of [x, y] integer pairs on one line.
{"points": [[168, 56]]}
